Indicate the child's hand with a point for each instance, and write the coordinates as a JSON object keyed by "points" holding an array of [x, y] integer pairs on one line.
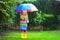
{"points": [[22, 17], [27, 21]]}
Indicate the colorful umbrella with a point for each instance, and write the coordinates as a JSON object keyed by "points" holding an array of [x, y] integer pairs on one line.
{"points": [[28, 7]]}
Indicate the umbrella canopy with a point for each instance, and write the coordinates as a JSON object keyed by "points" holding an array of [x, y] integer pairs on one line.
{"points": [[27, 7]]}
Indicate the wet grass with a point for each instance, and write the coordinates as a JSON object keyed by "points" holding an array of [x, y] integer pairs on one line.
{"points": [[46, 35]]}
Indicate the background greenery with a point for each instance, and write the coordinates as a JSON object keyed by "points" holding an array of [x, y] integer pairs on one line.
{"points": [[48, 15]]}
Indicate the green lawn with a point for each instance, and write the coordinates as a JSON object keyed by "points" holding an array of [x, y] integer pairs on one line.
{"points": [[46, 35]]}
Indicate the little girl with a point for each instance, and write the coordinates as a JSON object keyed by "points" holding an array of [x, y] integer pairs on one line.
{"points": [[23, 21]]}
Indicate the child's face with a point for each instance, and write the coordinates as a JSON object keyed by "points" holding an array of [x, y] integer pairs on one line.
{"points": [[24, 13]]}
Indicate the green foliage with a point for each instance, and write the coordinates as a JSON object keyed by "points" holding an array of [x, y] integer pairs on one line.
{"points": [[8, 11], [59, 17], [29, 0], [48, 15], [3, 14], [19, 1], [40, 17]]}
